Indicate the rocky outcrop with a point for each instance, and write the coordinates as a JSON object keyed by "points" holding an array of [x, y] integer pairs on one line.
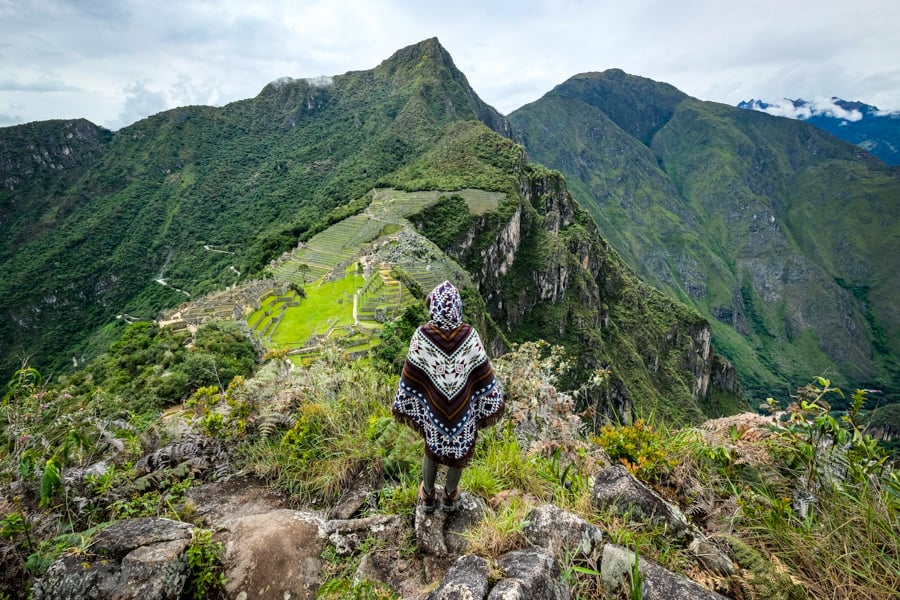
{"points": [[561, 533], [529, 573], [47, 147], [273, 555], [271, 551], [467, 578], [656, 582], [440, 533], [136, 558], [617, 489], [542, 267]]}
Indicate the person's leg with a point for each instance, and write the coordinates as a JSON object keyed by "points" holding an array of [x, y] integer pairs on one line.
{"points": [[426, 490], [429, 474], [451, 489], [453, 475]]}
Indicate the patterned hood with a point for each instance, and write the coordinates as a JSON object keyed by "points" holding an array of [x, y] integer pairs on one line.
{"points": [[445, 305]]}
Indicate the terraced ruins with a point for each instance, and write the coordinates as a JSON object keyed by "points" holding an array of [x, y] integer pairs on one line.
{"points": [[343, 283]]}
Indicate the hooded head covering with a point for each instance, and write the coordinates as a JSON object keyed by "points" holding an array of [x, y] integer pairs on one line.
{"points": [[445, 305]]}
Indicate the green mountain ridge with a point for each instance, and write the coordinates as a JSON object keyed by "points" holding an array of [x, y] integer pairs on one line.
{"points": [[782, 235], [197, 199]]}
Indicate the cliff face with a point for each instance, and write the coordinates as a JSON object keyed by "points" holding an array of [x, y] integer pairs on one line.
{"points": [[48, 147], [545, 272]]}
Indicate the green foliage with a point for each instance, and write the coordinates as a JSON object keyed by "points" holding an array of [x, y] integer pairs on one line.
{"points": [[639, 447], [204, 560], [394, 337], [636, 578], [340, 582], [48, 550], [331, 440], [500, 531], [184, 195], [827, 477], [443, 223]]}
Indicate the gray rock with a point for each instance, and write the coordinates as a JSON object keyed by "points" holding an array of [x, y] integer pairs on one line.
{"points": [[136, 558], [440, 534], [273, 555], [530, 573], [658, 582], [561, 532], [122, 537], [467, 579], [347, 535], [616, 487], [711, 556]]}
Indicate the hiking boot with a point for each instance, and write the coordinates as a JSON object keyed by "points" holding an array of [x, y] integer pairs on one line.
{"points": [[450, 500], [428, 500]]}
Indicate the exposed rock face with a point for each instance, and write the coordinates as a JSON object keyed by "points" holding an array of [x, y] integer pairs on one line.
{"points": [[137, 558], [440, 533], [48, 146], [658, 582], [529, 573], [561, 533], [467, 578], [544, 268], [273, 555], [616, 487]]}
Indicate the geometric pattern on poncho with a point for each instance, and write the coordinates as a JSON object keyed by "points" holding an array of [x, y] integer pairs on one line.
{"points": [[448, 391]]}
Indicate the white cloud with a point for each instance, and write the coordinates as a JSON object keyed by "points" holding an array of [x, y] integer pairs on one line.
{"points": [[828, 108], [140, 101], [805, 109]]}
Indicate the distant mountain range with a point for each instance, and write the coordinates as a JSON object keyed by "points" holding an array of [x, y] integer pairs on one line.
{"points": [[862, 124], [784, 236], [774, 242]]}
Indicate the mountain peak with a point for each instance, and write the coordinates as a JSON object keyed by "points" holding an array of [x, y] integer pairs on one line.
{"points": [[638, 105], [427, 52]]}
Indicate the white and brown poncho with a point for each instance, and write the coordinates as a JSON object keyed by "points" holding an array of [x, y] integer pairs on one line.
{"points": [[447, 388]]}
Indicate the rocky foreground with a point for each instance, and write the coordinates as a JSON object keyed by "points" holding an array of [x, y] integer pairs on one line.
{"points": [[273, 551]]}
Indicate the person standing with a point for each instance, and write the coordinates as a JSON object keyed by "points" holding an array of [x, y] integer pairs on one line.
{"points": [[447, 393]]}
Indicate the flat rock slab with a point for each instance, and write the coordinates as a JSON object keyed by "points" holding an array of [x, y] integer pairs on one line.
{"points": [[273, 555]]}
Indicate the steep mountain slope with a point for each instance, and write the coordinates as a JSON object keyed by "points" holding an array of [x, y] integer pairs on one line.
{"points": [[195, 199], [784, 235], [176, 204], [856, 122]]}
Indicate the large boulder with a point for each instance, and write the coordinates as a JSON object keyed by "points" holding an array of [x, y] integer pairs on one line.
{"points": [[615, 487], [467, 578], [273, 555], [136, 558], [440, 533], [561, 532], [528, 574], [658, 582]]}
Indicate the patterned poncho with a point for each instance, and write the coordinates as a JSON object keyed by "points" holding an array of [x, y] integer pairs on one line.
{"points": [[447, 387]]}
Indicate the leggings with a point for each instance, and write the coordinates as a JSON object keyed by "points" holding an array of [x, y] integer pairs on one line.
{"points": [[429, 474]]}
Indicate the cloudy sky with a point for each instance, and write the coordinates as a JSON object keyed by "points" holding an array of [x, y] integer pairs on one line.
{"points": [[116, 61]]}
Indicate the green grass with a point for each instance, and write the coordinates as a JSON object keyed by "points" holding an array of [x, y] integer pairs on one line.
{"points": [[327, 304]]}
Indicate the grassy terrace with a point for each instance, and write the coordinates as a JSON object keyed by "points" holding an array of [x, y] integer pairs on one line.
{"points": [[328, 269]]}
